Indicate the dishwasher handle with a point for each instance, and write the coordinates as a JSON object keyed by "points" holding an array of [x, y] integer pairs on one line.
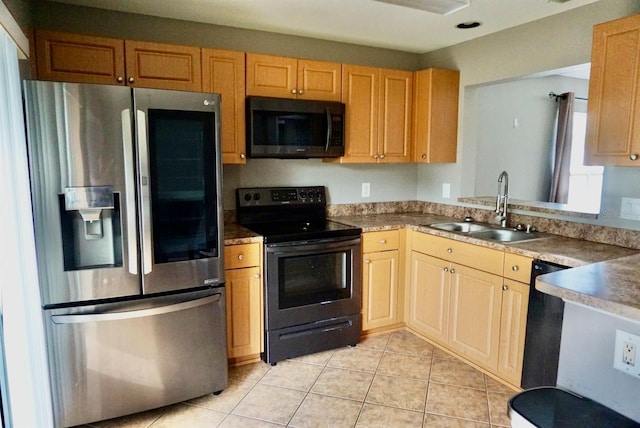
{"points": [[117, 316]]}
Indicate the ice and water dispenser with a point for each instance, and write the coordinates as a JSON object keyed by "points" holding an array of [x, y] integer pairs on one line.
{"points": [[91, 228]]}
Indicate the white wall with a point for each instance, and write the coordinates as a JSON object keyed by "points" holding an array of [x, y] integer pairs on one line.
{"points": [[552, 43], [389, 182], [586, 359], [523, 149]]}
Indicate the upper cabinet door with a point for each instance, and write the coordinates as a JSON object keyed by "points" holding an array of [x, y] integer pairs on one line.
{"points": [[319, 80], [613, 111], [158, 65], [223, 73], [67, 57], [396, 103], [271, 76], [435, 120], [361, 97]]}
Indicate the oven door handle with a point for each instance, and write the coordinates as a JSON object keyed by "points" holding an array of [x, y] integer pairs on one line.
{"points": [[316, 244]]}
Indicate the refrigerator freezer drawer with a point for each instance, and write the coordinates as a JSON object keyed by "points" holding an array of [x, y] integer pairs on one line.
{"points": [[109, 362]]}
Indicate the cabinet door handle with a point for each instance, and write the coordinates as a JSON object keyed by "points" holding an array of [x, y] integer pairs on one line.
{"points": [[515, 268], [424, 156], [452, 270], [240, 256], [381, 156], [243, 156], [445, 269], [449, 250], [131, 80], [383, 241], [505, 287], [119, 79], [256, 276], [301, 91], [367, 261], [293, 91], [634, 156], [376, 156]]}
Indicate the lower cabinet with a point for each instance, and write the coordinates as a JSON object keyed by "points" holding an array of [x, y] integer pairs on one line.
{"points": [[381, 294], [474, 315], [479, 315], [428, 302], [513, 326], [243, 276]]}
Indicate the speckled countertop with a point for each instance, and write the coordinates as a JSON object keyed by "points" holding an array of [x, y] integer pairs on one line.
{"points": [[604, 276]]}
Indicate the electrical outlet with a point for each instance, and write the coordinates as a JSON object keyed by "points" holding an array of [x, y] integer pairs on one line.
{"points": [[624, 356], [629, 354], [366, 190]]}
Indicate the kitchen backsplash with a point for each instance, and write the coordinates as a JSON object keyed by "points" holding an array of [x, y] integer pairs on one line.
{"points": [[603, 234]]}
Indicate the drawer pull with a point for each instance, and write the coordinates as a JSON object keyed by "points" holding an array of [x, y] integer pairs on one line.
{"points": [[240, 256], [505, 287], [449, 250], [383, 241], [515, 268]]}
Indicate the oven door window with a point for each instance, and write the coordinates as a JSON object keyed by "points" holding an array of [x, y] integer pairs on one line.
{"points": [[314, 278]]}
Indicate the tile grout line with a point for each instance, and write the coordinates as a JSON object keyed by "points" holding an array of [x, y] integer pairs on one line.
{"points": [[364, 400]]}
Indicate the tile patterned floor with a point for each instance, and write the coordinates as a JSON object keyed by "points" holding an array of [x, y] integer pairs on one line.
{"points": [[389, 380]]}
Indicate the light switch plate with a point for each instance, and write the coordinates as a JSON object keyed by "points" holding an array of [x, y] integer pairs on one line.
{"points": [[630, 209], [366, 190]]}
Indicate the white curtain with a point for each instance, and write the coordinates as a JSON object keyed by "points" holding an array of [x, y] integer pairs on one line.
{"points": [[26, 376]]}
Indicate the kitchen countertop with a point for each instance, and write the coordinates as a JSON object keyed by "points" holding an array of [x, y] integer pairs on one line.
{"points": [[603, 277]]}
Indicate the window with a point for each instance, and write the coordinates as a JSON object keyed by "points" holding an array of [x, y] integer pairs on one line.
{"points": [[585, 182]]}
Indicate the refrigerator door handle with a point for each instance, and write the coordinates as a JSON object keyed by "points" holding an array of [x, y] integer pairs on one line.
{"points": [[129, 185], [145, 198], [116, 316]]}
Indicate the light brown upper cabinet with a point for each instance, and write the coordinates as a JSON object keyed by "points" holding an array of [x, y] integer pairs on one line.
{"points": [[77, 58], [284, 77], [378, 114], [613, 111], [223, 73], [435, 115], [88, 59], [157, 65]]}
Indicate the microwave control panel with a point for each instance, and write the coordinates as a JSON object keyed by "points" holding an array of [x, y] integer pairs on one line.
{"points": [[274, 196]]}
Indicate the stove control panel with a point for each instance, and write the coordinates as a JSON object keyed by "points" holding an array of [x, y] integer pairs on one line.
{"points": [[273, 196]]}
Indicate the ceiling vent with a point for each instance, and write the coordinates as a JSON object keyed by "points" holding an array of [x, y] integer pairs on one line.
{"points": [[441, 7]]}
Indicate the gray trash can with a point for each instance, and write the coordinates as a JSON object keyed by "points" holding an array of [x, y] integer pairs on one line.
{"points": [[550, 407]]}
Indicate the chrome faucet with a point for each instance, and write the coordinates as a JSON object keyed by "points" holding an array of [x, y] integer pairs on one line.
{"points": [[502, 200]]}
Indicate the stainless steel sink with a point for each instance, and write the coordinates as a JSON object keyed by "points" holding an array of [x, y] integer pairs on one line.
{"points": [[505, 235], [486, 231], [462, 227]]}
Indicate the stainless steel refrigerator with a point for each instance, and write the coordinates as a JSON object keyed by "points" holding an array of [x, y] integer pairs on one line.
{"points": [[126, 191]]}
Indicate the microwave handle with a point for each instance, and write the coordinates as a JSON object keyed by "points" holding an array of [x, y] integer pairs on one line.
{"points": [[328, 114]]}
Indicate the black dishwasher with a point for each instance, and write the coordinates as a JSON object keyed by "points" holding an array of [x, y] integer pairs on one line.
{"points": [[544, 328]]}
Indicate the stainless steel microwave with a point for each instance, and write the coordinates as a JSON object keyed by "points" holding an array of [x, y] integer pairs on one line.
{"points": [[285, 128]]}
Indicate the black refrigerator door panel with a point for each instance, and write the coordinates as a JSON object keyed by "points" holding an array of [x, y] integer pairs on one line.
{"points": [[180, 204], [83, 190]]}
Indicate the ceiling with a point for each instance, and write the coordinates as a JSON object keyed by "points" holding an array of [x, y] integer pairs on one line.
{"points": [[364, 22]]}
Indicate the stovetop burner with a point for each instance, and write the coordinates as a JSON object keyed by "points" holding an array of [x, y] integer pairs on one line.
{"points": [[282, 214]]}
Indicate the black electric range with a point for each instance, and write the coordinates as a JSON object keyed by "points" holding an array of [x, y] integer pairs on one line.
{"points": [[282, 214]]}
